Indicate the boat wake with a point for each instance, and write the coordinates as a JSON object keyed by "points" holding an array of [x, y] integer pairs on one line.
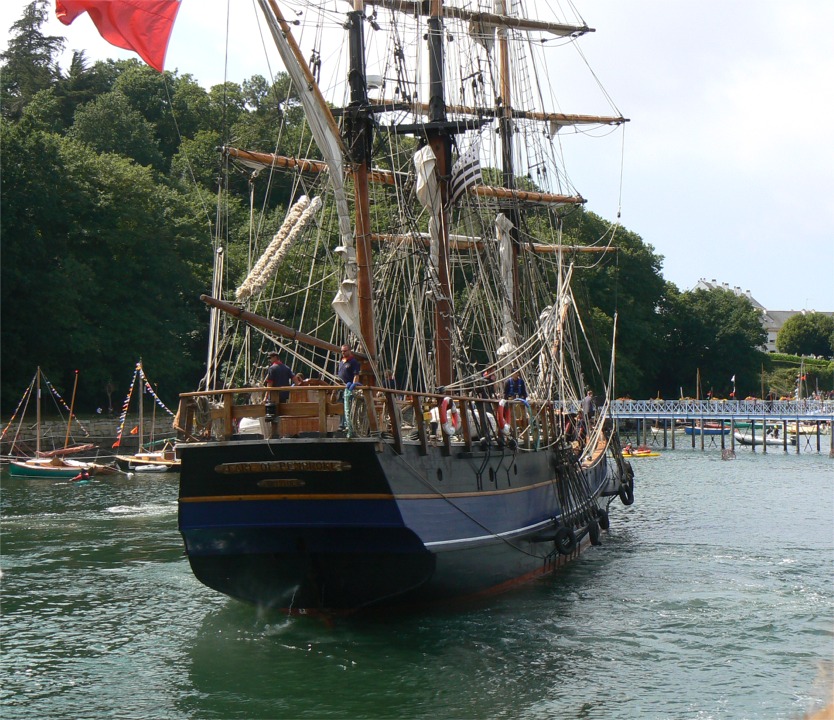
{"points": [[153, 510]]}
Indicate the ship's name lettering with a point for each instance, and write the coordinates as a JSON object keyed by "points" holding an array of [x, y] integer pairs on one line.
{"points": [[281, 483], [283, 466]]}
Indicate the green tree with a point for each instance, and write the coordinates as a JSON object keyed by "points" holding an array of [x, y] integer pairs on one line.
{"points": [[36, 299], [110, 124], [627, 283], [43, 112], [101, 265], [175, 106], [807, 334], [82, 84], [29, 64], [715, 334]]}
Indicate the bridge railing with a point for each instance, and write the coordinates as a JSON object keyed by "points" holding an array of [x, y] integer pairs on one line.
{"points": [[821, 409]]}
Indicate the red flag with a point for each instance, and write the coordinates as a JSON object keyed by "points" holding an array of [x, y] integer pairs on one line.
{"points": [[135, 430], [143, 26]]}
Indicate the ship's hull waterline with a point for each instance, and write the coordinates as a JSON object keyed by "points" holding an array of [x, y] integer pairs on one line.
{"points": [[336, 525]]}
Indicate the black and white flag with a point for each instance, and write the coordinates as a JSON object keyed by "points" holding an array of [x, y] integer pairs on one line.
{"points": [[466, 172]]}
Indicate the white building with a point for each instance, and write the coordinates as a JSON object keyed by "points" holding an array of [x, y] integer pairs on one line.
{"points": [[772, 320]]}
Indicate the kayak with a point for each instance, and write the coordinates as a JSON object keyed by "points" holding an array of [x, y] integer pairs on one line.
{"points": [[639, 452]]}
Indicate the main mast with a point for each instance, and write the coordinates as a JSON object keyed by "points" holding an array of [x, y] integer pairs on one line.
{"points": [[505, 115], [440, 143], [359, 133]]}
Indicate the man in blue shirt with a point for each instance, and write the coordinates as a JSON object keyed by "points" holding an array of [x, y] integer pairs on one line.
{"points": [[514, 387], [278, 375], [349, 367]]}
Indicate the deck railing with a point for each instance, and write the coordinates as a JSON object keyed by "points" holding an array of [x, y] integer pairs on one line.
{"points": [[319, 410]]}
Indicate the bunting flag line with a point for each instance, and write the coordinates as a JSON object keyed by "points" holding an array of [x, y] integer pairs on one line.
{"points": [[125, 406], [149, 389], [30, 390], [26, 394], [144, 386], [63, 402], [466, 172], [143, 26]]}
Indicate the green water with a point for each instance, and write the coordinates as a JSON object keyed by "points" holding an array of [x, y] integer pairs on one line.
{"points": [[711, 597]]}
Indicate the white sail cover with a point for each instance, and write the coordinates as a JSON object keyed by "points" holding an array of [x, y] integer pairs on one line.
{"points": [[503, 227], [428, 193], [346, 305]]}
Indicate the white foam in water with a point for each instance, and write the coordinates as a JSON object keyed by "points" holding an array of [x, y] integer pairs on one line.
{"points": [[153, 509]]}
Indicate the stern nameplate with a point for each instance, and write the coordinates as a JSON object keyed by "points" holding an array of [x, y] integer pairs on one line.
{"points": [[282, 466]]}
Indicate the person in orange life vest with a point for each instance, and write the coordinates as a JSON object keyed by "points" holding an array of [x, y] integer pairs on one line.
{"points": [[278, 375]]}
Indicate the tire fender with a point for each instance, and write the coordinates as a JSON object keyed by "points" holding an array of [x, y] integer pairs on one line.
{"points": [[565, 540]]}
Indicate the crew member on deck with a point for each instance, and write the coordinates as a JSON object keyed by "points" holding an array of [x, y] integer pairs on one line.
{"points": [[514, 387], [349, 367], [389, 381], [486, 387], [278, 375], [581, 428], [589, 407]]}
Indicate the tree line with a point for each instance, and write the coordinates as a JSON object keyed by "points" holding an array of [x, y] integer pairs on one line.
{"points": [[110, 179]]}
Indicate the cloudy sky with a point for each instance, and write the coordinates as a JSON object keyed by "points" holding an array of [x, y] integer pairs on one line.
{"points": [[727, 163]]}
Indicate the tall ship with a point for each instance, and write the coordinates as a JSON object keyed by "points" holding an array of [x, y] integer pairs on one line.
{"points": [[424, 234]]}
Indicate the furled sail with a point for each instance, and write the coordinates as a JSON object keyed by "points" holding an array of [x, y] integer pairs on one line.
{"points": [[298, 217], [326, 134]]}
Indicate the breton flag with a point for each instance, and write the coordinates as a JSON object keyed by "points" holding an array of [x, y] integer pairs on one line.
{"points": [[143, 26], [466, 172]]}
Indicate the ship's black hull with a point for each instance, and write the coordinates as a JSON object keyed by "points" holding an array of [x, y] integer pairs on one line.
{"points": [[336, 525]]}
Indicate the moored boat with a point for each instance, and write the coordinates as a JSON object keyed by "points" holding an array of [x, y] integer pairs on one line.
{"points": [[146, 456], [55, 468], [638, 452], [769, 440], [707, 429], [164, 460], [47, 464]]}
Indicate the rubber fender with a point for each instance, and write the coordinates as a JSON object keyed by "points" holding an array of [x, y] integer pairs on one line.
{"points": [[626, 493], [593, 532], [565, 540], [604, 520]]}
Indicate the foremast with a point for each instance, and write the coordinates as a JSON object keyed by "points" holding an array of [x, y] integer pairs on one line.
{"points": [[359, 132]]}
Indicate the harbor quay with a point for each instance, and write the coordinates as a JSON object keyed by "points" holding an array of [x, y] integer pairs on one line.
{"points": [[803, 425]]}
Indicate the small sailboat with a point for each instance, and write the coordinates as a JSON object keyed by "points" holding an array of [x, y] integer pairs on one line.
{"points": [[152, 455], [51, 464]]}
